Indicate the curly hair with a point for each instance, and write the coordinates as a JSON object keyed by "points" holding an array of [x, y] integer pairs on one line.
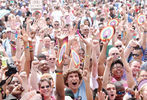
{"points": [[69, 71]]}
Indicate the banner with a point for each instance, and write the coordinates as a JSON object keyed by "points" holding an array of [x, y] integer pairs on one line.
{"points": [[36, 5]]}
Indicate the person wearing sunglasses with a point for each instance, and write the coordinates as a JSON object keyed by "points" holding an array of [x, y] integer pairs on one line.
{"points": [[45, 89], [120, 90], [118, 44], [137, 54]]}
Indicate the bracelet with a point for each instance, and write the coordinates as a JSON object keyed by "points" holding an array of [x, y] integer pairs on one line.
{"points": [[1, 89], [27, 47], [58, 73], [31, 47]]}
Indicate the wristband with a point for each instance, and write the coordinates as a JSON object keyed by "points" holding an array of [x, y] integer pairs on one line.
{"points": [[27, 47], [58, 71], [1, 89]]}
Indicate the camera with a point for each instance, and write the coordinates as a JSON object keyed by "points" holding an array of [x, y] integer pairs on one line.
{"points": [[12, 69]]}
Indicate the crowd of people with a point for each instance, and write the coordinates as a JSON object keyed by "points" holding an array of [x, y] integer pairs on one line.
{"points": [[108, 69]]}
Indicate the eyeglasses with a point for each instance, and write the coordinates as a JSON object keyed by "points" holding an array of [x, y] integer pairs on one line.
{"points": [[120, 92], [43, 87], [52, 58], [118, 46], [135, 55]]}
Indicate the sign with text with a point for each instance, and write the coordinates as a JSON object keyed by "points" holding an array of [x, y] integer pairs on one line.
{"points": [[36, 5]]}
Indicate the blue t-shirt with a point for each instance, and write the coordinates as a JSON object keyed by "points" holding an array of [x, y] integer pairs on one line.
{"points": [[81, 93], [129, 18]]}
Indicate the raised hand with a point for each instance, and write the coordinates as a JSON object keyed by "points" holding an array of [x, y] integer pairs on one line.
{"points": [[109, 61], [24, 36]]}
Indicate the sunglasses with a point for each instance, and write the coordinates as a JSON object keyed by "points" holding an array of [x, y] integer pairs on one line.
{"points": [[135, 55], [56, 24], [120, 92], [114, 54], [43, 87], [118, 46]]}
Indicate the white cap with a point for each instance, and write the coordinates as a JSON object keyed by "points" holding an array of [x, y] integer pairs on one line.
{"points": [[8, 30]]}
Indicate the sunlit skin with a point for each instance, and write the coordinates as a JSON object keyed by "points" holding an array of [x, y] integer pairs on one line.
{"points": [[117, 71], [118, 44], [144, 93], [73, 81], [114, 52], [43, 66], [47, 42], [142, 75], [46, 91], [111, 90], [135, 66]]}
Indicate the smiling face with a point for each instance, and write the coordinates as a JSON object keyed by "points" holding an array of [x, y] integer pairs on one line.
{"points": [[111, 90], [45, 88], [114, 52], [117, 71], [43, 66], [135, 66], [73, 81]]}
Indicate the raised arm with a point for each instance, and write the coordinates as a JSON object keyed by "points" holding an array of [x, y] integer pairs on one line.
{"points": [[27, 52], [144, 36], [87, 69], [102, 58], [128, 70], [107, 72], [129, 48], [60, 81]]}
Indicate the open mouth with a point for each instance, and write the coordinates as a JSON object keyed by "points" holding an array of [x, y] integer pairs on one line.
{"points": [[112, 95], [45, 68], [74, 83]]}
